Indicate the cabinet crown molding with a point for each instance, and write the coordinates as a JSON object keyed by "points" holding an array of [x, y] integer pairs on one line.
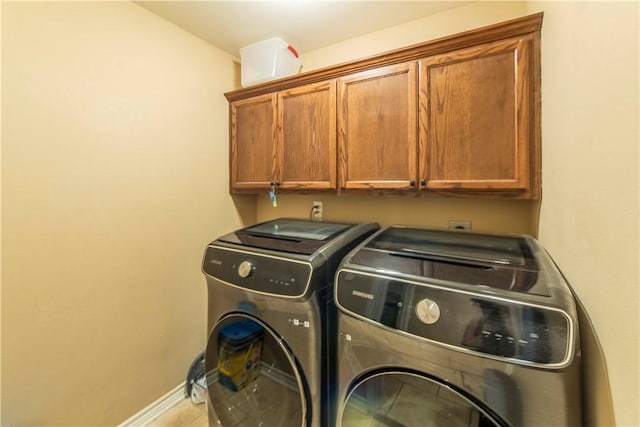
{"points": [[513, 28]]}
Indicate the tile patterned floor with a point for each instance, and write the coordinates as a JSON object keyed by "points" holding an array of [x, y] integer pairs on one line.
{"points": [[406, 403], [184, 414]]}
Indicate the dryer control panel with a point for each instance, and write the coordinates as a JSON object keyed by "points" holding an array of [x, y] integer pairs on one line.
{"points": [[258, 272], [495, 327]]}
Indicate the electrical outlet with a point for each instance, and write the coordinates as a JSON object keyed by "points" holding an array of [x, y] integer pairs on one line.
{"points": [[460, 225], [316, 210]]}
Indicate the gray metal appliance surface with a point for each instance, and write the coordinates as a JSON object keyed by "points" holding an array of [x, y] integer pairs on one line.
{"points": [[453, 328], [271, 322]]}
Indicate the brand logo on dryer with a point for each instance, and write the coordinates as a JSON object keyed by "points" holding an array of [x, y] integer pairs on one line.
{"points": [[362, 294]]}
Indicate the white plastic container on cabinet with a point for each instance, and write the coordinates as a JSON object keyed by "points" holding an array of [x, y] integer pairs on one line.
{"points": [[267, 60]]}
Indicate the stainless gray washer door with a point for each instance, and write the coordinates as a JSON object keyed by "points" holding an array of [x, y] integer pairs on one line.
{"points": [[252, 376], [397, 398]]}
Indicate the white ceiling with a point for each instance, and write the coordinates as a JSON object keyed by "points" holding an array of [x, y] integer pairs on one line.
{"points": [[305, 24]]}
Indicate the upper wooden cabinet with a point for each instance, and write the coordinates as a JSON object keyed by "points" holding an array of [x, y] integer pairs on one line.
{"points": [[475, 118], [377, 128], [306, 138], [285, 139], [456, 116], [252, 147]]}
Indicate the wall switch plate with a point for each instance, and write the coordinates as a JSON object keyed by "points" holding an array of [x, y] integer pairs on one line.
{"points": [[460, 225], [316, 211]]}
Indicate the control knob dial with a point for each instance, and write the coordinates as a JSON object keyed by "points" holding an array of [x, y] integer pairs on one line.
{"points": [[428, 311], [245, 269]]}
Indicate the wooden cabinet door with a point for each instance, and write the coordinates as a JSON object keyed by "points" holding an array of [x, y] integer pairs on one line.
{"points": [[475, 118], [306, 147], [253, 135], [377, 128]]}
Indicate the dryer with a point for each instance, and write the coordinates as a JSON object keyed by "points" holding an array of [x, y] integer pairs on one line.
{"points": [[453, 328], [271, 322]]}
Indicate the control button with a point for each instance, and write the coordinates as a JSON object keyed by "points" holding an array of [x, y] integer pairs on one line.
{"points": [[245, 269], [428, 311]]}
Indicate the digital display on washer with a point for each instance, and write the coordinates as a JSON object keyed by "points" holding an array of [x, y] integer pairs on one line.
{"points": [[288, 235], [477, 323]]}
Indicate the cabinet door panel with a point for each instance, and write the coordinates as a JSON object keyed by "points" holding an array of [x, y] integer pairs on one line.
{"points": [[474, 118], [306, 149], [377, 128], [253, 126]]}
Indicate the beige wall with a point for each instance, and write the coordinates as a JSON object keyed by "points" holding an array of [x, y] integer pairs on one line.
{"points": [[486, 215], [515, 216], [451, 21], [114, 178], [589, 217], [0, 216]]}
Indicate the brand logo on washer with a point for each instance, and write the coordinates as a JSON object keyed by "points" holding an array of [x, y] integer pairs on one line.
{"points": [[362, 294]]}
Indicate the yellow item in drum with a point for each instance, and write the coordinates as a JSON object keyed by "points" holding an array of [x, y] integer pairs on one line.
{"points": [[239, 354]]}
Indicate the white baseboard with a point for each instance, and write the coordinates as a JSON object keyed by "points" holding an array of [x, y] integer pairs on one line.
{"points": [[156, 409]]}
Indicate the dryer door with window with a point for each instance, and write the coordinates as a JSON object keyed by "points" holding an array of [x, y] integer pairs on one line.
{"points": [[398, 398], [252, 376]]}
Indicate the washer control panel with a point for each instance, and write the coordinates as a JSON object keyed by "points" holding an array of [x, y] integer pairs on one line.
{"points": [[256, 272], [496, 327]]}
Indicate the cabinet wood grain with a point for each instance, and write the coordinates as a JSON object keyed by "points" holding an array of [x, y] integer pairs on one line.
{"points": [[306, 140], [253, 132], [456, 116], [475, 128], [377, 128]]}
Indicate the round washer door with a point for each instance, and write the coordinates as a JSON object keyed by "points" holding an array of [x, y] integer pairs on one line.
{"points": [[396, 398], [252, 376]]}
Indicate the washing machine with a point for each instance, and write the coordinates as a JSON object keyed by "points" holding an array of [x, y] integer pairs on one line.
{"points": [[271, 322], [453, 328]]}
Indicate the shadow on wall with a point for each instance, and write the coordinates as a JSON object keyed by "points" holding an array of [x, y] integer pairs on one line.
{"points": [[246, 208], [597, 405]]}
